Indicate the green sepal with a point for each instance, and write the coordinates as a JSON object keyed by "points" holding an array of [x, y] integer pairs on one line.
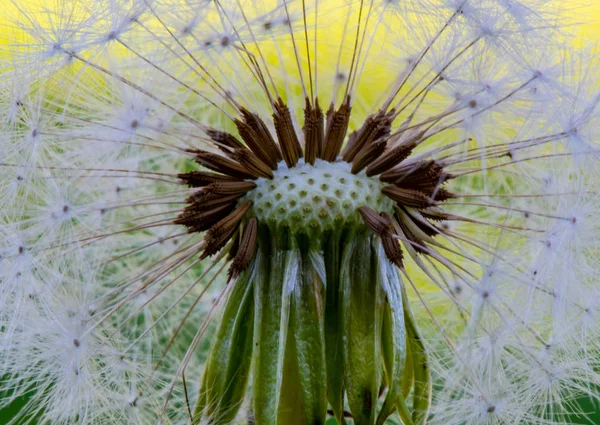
{"points": [[333, 327], [420, 363], [226, 374], [407, 379], [393, 340], [362, 310], [201, 401], [304, 392], [270, 327]]}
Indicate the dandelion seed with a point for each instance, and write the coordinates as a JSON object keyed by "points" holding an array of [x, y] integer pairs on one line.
{"points": [[282, 213]]}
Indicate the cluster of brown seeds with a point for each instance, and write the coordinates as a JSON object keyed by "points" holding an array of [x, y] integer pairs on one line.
{"points": [[219, 209]]}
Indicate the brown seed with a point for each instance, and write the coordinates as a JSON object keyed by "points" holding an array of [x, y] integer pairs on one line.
{"points": [[437, 215], [392, 249], [421, 173], [203, 178], [313, 131], [200, 221], [218, 235], [286, 134], [408, 197], [391, 158], [231, 188], [252, 163], [337, 126], [246, 250], [429, 230], [222, 138], [223, 165], [377, 223], [206, 200], [426, 177], [234, 247], [440, 194], [417, 243], [225, 142], [368, 155], [375, 127], [258, 138]]}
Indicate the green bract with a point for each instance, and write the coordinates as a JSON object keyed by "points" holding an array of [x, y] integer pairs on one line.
{"points": [[316, 321]]}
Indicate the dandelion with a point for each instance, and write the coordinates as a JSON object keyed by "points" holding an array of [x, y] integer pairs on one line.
{"points": [[291, 213]]}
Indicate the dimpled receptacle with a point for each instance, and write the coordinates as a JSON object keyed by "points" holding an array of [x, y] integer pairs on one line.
{"points": [[319, 197]]}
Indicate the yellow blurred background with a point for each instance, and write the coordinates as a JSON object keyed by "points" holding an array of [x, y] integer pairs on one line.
{"points": [[588, 14], [584, 13]]}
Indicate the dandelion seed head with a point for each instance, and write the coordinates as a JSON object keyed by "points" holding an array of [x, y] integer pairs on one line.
{"points": [[232, 190]]}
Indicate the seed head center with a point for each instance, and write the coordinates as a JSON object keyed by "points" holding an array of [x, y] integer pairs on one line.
{"points": [[319, 197]]}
